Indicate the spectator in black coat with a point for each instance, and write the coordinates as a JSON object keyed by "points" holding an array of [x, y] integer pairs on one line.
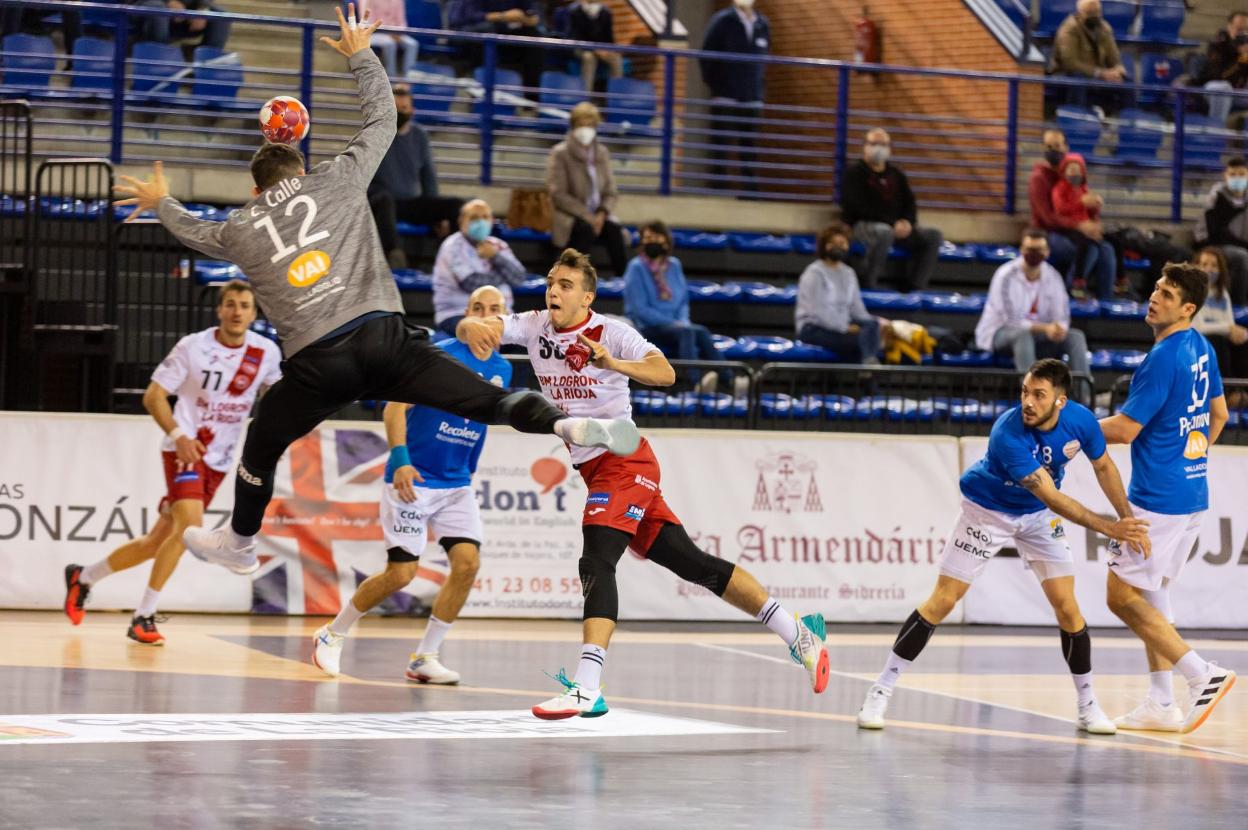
{"points": [[736, 87], [592, 22], [162, 29]]}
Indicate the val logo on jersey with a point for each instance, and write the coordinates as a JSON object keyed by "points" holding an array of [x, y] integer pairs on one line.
{"points": [[307, 269], [1197, 445]]}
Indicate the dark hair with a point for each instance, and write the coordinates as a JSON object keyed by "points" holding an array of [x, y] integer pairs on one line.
{"points": [[825, 236], [658, 226], [1032, 232], [1192, 282], [1219, 288], [1241, 13], [1236, 161], [274, 162], [1054, 371], [232, 287], [574, 259]]}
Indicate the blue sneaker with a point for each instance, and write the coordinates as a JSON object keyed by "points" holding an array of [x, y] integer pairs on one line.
{"points": [[809, 651], [574, 702]]}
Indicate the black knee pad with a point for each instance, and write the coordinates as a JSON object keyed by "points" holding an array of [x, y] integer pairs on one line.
{"points": [[528, 412], [674, 550], [603, 548]]}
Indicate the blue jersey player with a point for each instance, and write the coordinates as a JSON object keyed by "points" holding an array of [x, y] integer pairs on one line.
{"points": [[427, 490], [1173, 414], [1011, 495]]}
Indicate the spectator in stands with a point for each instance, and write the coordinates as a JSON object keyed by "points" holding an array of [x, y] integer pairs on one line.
{"points": [[15, 19], [736, 88], [830, 311], [397, 51], [592, 22], [405, 186], [1074, 203], [503, 17], [582, 188], [469, 259], [1101, 260], [876, 200], [1027, 314], [214, 32], [1225, 225], [656, 299], [1226, 66], [1084, 47], [1216, 318]]}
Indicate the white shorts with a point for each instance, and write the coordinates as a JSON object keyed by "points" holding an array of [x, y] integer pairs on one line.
{"points": [[436, 514], [979, 533], [1172, 538]]}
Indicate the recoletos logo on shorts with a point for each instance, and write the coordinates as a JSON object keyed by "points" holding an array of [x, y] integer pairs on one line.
{"points": [[1197, 445], [308, 268]]}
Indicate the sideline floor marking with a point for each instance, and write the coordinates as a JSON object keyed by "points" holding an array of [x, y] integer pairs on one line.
{"points": [[284, 726]]}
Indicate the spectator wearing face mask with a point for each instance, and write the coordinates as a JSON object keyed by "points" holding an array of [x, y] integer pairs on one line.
{"points": [[1216, 318], [830, 311], [736, 90], [1225, 225], [1084, 47], [876, 200], [582, 188], [1076, 205], [592, 22], [1027, 314], [405, 186], [469, 259]]}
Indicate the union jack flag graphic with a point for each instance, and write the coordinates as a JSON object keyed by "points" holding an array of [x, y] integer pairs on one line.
{"points": [[322, 533]]}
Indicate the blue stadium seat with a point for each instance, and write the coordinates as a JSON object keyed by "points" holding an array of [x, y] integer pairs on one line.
{"points": [[760, 243], [839, 407], [408, 229], [1101, 360], [631, 106], [409, 279], [1241, 315], [218, 77], [996, 254], [1161, 21], [29, 62], [1126, 360], [1139, 136], [502, 78], [1014, 11], [952, 302], [953, 252], [699, 240], [649, 402], [1082, 127], [431, 96], [523, 234], [804, 244], [265, 329], [211, 272], [1119, 14], [611, 288], [534, 286], [1135, 263], [780, 405], [723, 405], [1052, 13], [729, 292], [683, 403], [898, 253], [1128, 64], [150, 67], [207, 212], [765, 347], [723, 344], [427, 14], [701, 289], [93, 66], [876, 300], [963, 409], [763, 293], [968, 359], [561, 91], [1159, 71], [871, 408], [1123, 310], [810, 353], [1085, 308], [1204, 140]]}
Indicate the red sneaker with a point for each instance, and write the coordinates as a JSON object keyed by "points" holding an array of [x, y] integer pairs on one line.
{"points": [[75, 593], [143, 630]]}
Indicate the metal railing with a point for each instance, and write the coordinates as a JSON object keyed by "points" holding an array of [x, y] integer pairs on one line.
{"points": [[491, 129]]}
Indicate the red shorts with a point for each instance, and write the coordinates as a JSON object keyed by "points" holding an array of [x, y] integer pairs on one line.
{"points": [[199, 482], [623, 493]]}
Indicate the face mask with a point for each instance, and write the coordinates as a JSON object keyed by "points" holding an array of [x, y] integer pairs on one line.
{"points": [[1237, 184], [835, 254], [1054, 157], [403, 118], [877, 155], [1075, 181], [654, 250], [478, 230], [585, 135], [1214, 277], [1092, 23], [1033, 258]]}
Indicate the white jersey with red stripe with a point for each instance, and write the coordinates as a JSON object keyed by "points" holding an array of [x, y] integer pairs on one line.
{"points": [[216, 387], [561, 363]]}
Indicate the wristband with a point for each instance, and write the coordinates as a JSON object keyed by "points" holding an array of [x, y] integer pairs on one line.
{"points": [[399, 457], [175, 434]]}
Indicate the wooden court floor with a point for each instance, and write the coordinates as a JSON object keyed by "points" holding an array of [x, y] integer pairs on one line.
{"points": [[229, 725]]}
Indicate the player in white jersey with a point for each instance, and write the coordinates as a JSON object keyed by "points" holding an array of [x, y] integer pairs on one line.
{"points": [[216, 374], [583, 362]]}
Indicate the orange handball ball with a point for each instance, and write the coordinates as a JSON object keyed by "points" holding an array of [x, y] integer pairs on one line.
{"points": [[284, 120]]}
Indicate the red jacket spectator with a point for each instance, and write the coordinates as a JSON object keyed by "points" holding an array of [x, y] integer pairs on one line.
{"points": [[1069, 191]]}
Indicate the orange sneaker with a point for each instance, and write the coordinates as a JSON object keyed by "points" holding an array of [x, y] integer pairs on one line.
{"points": [[143, 630], [75, 593]]}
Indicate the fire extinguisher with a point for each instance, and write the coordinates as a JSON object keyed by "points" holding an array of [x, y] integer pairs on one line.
{"points": [[866, 39]]}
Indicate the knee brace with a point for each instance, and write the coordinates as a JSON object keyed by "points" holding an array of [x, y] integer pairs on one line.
{"points": [[674, 550], [603, 548]]}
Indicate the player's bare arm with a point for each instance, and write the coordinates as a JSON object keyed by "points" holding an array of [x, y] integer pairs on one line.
{"points": [[482, 335], [1130, 530], [156, 401], [652, 370], [395, 418], [1218, 416], [1119, 429], [1110, 479]]}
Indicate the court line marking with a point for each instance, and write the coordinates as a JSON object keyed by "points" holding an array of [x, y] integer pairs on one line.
{"points": [[1237, 757]]}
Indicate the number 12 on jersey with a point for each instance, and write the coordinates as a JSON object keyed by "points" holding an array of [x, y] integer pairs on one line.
{"points": [[306, 236]]}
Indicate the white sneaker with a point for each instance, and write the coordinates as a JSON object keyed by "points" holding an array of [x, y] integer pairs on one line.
{"points": [[216, 547], [426, 668], [708, 385], [871, 715], [327, 650], [810, 652], [1094, 721], [618, 436], [1152, 716], [1207, 693], [574, 702]]}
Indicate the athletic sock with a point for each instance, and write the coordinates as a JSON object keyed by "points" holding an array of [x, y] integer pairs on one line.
{"points": [[779, 621], [238, 541], [1083, 688], [346, 618], [94, 573], [435, 633], [589, 670], [147, 607], [1161, 687], [571, 430], [892, 671], [1192, 666], [1077, 649]]}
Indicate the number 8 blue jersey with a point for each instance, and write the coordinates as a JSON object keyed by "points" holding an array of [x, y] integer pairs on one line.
{"points": [[1170, 395]]}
